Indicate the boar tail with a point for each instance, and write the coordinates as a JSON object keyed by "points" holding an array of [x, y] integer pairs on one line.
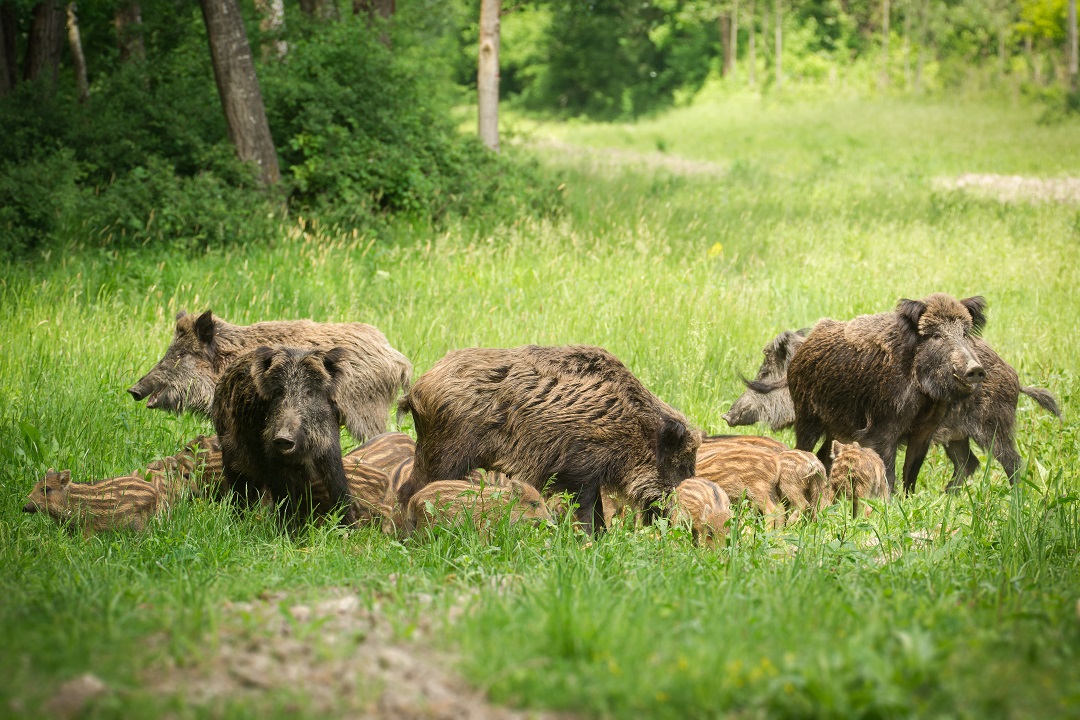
{"points": [[404, 407], [765, 386], [1045, 398]]}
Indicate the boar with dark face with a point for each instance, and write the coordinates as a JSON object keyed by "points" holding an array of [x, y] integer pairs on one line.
{"points": [[120, 503], [881, 378], [445, 500], [204, 346], [560, 419], [773, 408], [857, 473], [276, 414], [987, 416]]}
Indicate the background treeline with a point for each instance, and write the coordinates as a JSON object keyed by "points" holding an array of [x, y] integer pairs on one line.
{"points": [[112, 132]]}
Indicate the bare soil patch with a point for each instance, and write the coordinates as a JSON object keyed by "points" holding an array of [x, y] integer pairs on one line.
{"points": [[617, 159], [337, 657], [1015, 188]]}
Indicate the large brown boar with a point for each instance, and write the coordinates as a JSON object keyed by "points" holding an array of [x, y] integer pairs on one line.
{"points": [[883, 378], [445, 500], [569, 418], [857, 473], [987, 416], [275, 412], [705, 507], [204, 346], [122, 503]]}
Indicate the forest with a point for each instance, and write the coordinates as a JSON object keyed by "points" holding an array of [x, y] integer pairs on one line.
{"points": [[669, 194]]}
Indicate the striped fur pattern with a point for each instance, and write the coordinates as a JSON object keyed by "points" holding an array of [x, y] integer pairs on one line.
{"points": [[204, 346], [802, 484], [857, 472], [442, 502], [195, 470], [750, 471], [705, 507], [572, 413], [715, 443], [122, 503]]}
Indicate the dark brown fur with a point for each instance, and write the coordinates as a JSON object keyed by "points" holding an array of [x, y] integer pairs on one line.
{"points": [[705, 507], [443, 501], [987, 416], [275, 412], [857, 473], [882, 378], [558, 418], [204, 346], [121, 503]]}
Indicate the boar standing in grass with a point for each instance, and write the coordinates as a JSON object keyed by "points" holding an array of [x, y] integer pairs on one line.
{"points": [[714, 443], [857, 472], [802, 483], [122, 503], [203, 347], [881, 379], [569, 418], [987, 416], [705, 506], [750, 471], [195, 470], [276, 414], [443, 501]]}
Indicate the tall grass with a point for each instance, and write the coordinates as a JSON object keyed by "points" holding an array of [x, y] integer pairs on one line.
{"points": [[958, 605]]}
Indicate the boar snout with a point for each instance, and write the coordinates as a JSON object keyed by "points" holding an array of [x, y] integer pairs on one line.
{"points": [[740, 414], [30, 507], [136, 392], [975, 373]]}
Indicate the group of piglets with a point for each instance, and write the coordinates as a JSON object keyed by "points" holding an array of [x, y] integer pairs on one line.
{"points": [[526, 433]]}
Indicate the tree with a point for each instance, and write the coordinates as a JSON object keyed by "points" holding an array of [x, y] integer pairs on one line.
{"points": [[272, 27], [238, 87], [129, 36], [320, 9], [9, 67], [1074, 62], [487, 76], [751, 49], [78, 60], [886, 11], [377, 11], [779, 45], [45, 41]]}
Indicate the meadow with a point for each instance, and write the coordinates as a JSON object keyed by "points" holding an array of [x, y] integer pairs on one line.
{"points": [[686, 243]]}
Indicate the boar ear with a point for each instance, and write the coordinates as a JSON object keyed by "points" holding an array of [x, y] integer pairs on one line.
{"points": [[204, 328], [181, 314], [976, 305], [260, 366], [65, 478], [911, 311], [835, 450], [673, 435], [334, 361]]}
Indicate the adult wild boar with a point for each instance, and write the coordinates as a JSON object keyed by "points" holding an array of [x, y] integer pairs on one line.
{"points": [[987, 416], [276, 416], [204, 346], [569, 418], [879, 379]]}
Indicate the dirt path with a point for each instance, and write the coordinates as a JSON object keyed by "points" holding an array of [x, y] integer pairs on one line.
{"points": [[617, 159], [1015, 188]]}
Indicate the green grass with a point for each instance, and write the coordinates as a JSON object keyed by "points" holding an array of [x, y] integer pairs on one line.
{"points": [[945, 606]]}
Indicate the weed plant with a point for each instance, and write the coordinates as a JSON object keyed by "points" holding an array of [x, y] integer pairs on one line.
{"points": [[961, 605]]}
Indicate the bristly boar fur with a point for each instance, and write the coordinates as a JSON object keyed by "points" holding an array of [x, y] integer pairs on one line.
{"points": [[987, 416], [204, 346], [369, 489], [752, 471], [569, 418], [275, 412], [705, 506], [857, 473], [121, 503], [386, 451], [443, 501], [882, 378]]}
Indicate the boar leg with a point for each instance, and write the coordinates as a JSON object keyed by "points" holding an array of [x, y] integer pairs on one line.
{"points": [[824, 453], [919, 443], [590, 510], [965, 464], [1005, 453]]}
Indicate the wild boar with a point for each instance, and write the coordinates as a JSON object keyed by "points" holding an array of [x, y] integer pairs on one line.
{"points": [[802, 483], [746, 470], [987, 416], [569, 418], [121, 503], [369, 489], [204, 346], [386, 452], [705, 507], [857, 473], [724, 442], [883, 378], [443, 501], [275, 412]]}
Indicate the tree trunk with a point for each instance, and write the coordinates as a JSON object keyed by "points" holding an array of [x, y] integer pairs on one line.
{"points": [[129, 27], [272, 26], [378, 12], [751, 50], [725, 44], [1074, 61], [734, 38], [238, 86], [9, 64], [320, 9], [779, 46], [885, 13], [907, 47], [487, 76], [45, 41], [924, 22], [77, 57]]}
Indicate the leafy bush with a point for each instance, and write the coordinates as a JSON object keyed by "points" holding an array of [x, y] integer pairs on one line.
{"points": [[35, 196]]}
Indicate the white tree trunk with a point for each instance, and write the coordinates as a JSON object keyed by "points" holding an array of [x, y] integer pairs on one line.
{"points": [[1074, 61], [779, 46], [272, 25], [487, 76], [885, 12], [78, 60], [734, 39], [751, 50]]}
